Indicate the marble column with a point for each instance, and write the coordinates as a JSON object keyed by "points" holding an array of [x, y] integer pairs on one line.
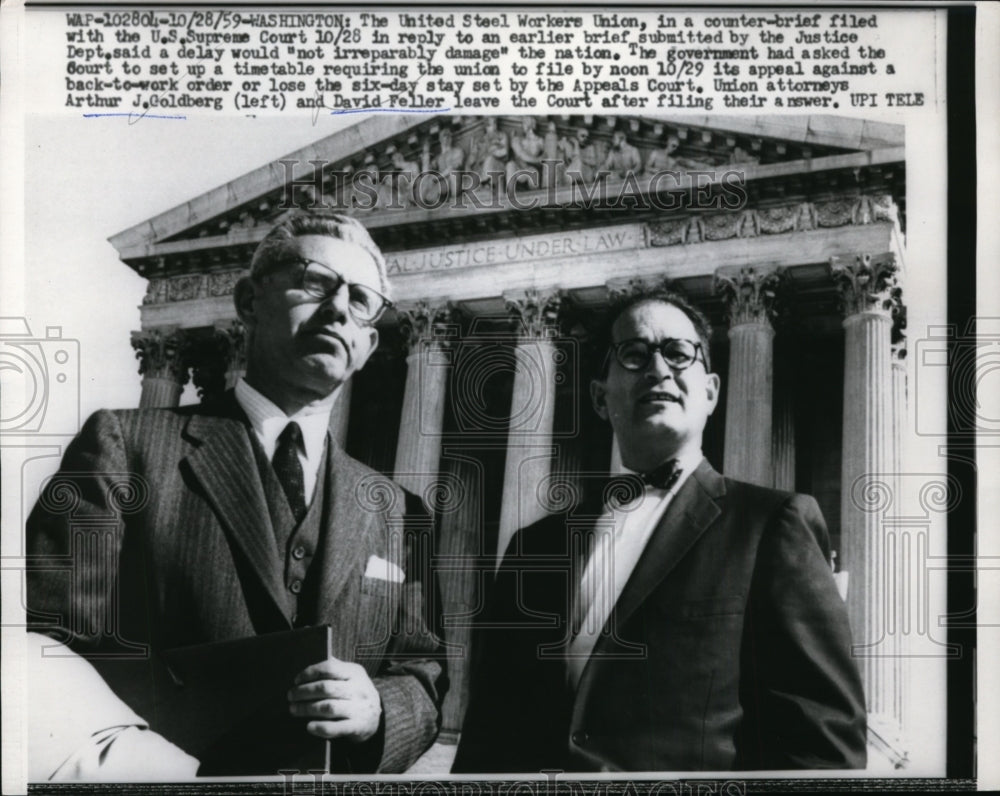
{"points": [[464, 582], [783, 431], [749, 294], [162, 365], [426, 331], [530, 451], [866, 283]]}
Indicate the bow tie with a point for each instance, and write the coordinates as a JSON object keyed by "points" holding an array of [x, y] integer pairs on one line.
{"points": [[664, 476]]}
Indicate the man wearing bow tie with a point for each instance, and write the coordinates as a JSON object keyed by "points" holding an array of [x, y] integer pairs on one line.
{"points": [[251, 520], [677, 620]]}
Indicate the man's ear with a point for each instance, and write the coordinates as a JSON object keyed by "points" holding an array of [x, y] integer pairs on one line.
{"points": [[244, 296], [712, 385], [597, 398], [373, 339]]}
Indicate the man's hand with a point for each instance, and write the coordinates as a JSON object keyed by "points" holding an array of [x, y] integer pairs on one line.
{"points": [[339, 697]]}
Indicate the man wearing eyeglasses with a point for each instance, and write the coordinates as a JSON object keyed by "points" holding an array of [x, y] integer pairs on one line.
{"points": [[253, 521], [676, 621]]}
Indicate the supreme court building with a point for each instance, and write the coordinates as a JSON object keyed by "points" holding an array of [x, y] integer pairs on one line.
{"points": [[786, 231]]}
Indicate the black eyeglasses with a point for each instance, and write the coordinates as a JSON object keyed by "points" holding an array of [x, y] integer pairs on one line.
{"points": [[636, 354], [322, 282]]}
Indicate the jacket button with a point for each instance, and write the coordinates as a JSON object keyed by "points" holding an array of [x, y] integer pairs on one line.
{"points": [[299, 553], [295, 586], [580, 737]]}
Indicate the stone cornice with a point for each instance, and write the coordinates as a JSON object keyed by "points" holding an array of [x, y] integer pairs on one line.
{"points": [[240, 211], [819, 131], [181, 258], [581, 260]]}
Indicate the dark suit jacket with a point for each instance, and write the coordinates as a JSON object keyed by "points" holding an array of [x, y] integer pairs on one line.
{"points": [[155, 534], [729, 647]]}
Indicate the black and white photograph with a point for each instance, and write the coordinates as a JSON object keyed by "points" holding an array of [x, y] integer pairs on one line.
{"points": [[564, 398]]}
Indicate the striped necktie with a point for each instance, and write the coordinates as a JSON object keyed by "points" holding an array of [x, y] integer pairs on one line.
{"points": [[288, 468]]}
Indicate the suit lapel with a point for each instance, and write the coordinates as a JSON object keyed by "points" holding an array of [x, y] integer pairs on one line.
{"points": [[347, 527], [224, 464], [690, 512]]}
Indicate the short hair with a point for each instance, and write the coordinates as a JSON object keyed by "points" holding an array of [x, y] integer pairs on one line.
{"points": [[660, 295], [269, 251]]}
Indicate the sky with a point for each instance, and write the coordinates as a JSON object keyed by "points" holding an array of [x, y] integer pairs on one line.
{"points": [[88, 179]]}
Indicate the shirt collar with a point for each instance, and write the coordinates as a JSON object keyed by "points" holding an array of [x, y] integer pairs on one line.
{"points": [[268, 421]]}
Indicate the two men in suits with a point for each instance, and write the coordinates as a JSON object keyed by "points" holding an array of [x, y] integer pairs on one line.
{"points": [[246, 518], [679, 620]]}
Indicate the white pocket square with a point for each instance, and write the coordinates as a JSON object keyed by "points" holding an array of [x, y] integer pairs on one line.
{"points": [[383, 570]]}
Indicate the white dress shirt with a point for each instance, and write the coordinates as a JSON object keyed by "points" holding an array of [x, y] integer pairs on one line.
{"points": [[268, 421], [620, 536]]}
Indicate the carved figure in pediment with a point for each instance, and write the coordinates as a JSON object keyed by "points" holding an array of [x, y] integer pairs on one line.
{"points": [[623, 158], [580, 156], [449, 161], [528, 149], [430, 189], [553, 163], [741, 157], [399, 181], [245, 221], [661, 160], [364, 192], [490, 152]]}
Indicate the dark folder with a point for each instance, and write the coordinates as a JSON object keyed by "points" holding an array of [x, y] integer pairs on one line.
{"points": [[226, 703]]}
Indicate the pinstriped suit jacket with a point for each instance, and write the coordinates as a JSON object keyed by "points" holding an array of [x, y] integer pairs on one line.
{"points": [[156, 534]]}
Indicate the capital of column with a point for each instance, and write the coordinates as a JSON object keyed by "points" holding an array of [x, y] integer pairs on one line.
{"points": [[536, 310], [162, 354], [867, 283], [749, 294], [422, 322], [231, 338]]}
